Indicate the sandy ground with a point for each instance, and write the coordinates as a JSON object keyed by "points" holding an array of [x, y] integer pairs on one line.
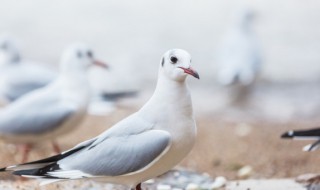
{"points": [[278, 184]]}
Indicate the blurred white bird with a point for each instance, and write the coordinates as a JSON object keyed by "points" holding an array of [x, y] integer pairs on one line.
{"points": [[142, 146], [109, 87], [308, 134], [17, 76], [54, 110], [239, 56]]}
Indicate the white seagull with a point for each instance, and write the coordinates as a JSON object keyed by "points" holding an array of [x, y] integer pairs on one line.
{"points": [[239, 56], [142, 146], [307, 134], [54, 110], [17, 76]]}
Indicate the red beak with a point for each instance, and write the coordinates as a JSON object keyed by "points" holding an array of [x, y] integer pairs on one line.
{"points": [[190, 71], [100, 64]]}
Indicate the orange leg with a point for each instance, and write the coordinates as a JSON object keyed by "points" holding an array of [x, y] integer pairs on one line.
{"points": [[56, 147], [25, 152]]}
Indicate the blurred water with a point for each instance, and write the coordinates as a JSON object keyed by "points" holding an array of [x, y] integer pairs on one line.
{"points": [[135, 33]]}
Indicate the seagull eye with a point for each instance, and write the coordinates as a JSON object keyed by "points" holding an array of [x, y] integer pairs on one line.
{"points": [[89, 53], [173, 59], [79, 54]]}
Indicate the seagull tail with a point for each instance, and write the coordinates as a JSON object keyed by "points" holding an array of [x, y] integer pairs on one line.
{"points": [[309, 133], [312, 147], [118, 95]]}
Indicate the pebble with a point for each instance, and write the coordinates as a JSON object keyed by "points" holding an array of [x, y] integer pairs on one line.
{"points": [[163, 187], [218, 182], [150, 181], [192, 186], [245, 172], [243, 130]]}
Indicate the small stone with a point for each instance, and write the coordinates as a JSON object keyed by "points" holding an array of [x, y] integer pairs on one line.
{"points": [[219, 182], [163, 187], [245, 172], [176, 174], [243, 130], [192, 186], [150, 181], [308, 178]]}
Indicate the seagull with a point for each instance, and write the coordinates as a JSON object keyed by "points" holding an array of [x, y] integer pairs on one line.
{"points": [[144, 145], [239, 56], [309, 134], [53, 110], [17, 76]]}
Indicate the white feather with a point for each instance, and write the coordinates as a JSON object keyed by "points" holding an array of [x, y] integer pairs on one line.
{"points": [[70, 174]]}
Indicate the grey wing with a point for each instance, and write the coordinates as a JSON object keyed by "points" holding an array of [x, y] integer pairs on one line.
{"points": [[24, 79], [34, 115], [118, 155]]}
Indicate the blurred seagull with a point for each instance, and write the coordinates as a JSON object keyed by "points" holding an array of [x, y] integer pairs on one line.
{"points": [[309, 134], [18, 77], [239, 56], [109, 88], [142, 146], [54, 110]]}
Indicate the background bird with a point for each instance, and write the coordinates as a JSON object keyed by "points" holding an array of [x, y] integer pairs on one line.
{"points": [[308, 134], [142, 146], [54, 110], [239, 56], [18, 76]]}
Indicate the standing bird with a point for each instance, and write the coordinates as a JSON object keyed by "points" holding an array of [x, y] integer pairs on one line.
{"points": [[309, 134], [239, 56], [142, 146], [56, 109], [17, 76]]}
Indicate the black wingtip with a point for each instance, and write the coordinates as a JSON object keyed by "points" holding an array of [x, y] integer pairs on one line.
{"points": [[287, 135], [113, 96], [3, 169]]}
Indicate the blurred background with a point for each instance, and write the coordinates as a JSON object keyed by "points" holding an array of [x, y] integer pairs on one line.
{"points": [[132, 36]]}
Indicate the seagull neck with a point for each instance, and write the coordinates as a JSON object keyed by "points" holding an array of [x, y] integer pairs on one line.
{"points": [[171, 92], [74, 80], [75, 88], [166, 85], [171, 98]]}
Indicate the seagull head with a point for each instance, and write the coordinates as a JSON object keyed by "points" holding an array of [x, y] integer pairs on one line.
{"points": [[9, 52], [176, 64], [78, 58]]}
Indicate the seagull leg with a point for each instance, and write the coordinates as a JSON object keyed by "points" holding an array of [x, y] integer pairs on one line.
{"points": [[56, 147], [138, 187], [25, 152]]}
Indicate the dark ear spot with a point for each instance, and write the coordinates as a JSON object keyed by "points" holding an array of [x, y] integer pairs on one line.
{"points": [[162, 61], [89, 53]]}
